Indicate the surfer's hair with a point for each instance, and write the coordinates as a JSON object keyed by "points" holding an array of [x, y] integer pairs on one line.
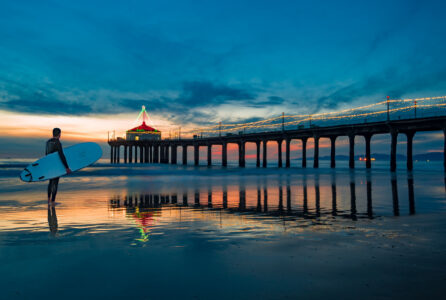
{"points": [[56, 132]]}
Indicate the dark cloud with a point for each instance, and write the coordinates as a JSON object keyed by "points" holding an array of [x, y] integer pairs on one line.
{"points": [[194, 94], [29, 99], [43, 105], [394, 82], [249, 120], [275, 100], [152, 105], [270, 101], [197, 93], [170, 110]]}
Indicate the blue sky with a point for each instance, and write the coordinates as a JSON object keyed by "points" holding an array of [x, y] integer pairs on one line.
{"points": [[197, 62]]}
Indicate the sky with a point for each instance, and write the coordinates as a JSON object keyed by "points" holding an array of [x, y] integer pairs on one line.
{"points": [[88, 66]]}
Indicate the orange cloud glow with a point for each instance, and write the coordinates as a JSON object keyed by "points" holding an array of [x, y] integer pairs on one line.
{"points": [[93, 127]]}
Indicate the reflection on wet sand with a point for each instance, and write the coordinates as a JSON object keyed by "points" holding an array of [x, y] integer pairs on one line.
{"points": [[411, 194], [302, 201], [369, 194], [396, 209], [333, 195], [52, 219], [268, 200], [352, 197]]}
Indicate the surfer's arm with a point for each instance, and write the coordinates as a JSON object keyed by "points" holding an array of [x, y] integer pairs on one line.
{"points": [[62, 156]]}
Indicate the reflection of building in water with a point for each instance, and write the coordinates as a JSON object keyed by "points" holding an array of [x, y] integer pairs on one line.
{"points": [[142, 209], [307, 200], [145, 220]]}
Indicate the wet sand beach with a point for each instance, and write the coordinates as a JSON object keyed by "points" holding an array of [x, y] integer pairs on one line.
{"points": [[160, 232]]}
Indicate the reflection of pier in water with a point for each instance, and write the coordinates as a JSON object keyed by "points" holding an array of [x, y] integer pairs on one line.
{"points": [[263, 203]]}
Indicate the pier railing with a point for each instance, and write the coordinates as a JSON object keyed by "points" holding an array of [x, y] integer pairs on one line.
{"points": [[388, 110]]}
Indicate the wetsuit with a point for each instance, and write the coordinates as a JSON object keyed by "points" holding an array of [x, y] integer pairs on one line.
{"points": [[54, 145]]}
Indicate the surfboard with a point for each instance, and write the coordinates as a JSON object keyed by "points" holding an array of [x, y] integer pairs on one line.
{"points": [[78, 156]]}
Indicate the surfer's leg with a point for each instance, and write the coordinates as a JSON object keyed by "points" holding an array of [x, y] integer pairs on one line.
{"points": [[54, 188], [50, 188]]}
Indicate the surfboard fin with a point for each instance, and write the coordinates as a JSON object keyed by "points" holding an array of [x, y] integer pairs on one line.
{"points": [[27, 175]]}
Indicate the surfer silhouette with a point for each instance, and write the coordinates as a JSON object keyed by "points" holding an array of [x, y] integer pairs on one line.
{"points": [[54, 145]]}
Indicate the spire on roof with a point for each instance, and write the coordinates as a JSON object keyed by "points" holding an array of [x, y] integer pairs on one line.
{"points": [[145, 116]]}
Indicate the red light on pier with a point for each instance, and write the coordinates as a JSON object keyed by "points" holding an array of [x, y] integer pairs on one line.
{"points": [[365, 159]]}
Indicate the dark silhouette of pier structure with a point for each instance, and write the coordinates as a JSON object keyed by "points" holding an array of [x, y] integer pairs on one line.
{"points": [[406, 117], [310, 205]]}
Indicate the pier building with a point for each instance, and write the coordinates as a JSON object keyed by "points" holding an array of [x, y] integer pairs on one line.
{"points": [[143, 132]]}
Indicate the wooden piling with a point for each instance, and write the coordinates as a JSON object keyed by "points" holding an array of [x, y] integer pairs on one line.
{"points": [[184, 154], [316, 152], [368, 158], [333, 151], [173, 151], [393, 143], [209, 155], [409, 136], [257, 153], [279, 153], [224, 153], [196, 155], [304, 152], [351, 159]]}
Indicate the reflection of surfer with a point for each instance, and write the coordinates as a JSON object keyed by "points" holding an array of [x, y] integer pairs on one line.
{"points": [[54, 145], [52, 220]]}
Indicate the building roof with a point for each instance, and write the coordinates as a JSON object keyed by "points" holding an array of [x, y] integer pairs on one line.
{"points": [[143, 127]]}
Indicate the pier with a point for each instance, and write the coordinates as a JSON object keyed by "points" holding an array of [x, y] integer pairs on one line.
{"points": [[401, 119]]}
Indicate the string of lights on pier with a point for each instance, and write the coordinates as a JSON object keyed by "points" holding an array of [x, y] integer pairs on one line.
{"points": [[390, 109]]}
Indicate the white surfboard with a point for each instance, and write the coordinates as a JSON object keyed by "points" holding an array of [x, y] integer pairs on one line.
{"points": [[78, 156]]}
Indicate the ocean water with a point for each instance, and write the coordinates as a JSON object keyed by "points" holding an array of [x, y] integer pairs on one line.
{"points": [[163, 231]]}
